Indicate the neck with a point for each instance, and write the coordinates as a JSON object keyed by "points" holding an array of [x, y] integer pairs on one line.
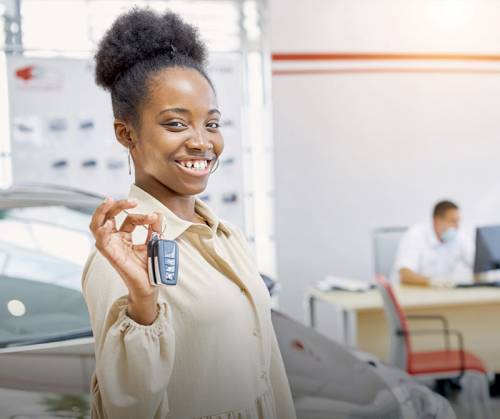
{"points": [[180, 205]]}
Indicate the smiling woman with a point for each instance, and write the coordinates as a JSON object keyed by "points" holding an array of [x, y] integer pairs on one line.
{"points": [[206, 347], [164, 103]]}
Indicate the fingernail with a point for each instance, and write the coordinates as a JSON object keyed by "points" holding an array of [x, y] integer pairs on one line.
{"points": [[132, 200], [106, 200]]}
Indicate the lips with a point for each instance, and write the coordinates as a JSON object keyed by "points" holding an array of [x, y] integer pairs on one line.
{"points": [[195, 166]]}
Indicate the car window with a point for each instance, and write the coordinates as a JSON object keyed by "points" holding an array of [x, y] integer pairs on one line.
{"points": [[42, 253]]}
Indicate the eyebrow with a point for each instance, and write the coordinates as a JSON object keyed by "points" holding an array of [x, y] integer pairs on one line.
{"points": [[186, 111]]}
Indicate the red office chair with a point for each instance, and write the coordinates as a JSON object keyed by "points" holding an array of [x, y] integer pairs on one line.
{"points": [[447, 363]]}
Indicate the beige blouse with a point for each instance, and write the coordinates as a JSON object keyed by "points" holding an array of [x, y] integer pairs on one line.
{"points": [[211, 352]]}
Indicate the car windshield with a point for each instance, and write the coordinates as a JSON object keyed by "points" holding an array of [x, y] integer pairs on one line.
{"points": [[42, 253]]}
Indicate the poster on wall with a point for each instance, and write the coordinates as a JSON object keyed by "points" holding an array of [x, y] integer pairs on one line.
{"points": [[62, 130], [61, 126]]}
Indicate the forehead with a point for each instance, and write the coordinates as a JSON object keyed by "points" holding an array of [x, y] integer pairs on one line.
{"points": [[181, 87], [452, 214]]}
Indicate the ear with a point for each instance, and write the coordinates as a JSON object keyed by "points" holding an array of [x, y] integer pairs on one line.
{"points": [[124, 133]]}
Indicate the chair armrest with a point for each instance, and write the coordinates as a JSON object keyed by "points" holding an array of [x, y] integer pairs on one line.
{"points": [[442, 319], [458, 334]]}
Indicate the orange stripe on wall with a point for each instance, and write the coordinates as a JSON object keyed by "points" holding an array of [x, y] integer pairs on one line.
{"points": [[299, 72], [382, 56]]}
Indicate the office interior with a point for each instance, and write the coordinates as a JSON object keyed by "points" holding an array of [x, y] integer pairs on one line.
{"points": [[345, 122]]}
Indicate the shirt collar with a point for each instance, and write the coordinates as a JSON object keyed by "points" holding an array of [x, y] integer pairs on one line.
{"points": [[175, 226]]}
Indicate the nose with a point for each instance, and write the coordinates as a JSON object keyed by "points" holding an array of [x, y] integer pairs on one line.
{"points": [[199, 141]]}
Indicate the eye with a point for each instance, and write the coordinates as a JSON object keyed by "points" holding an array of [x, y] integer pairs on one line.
{"points": [[175, 124], [213, 125]]}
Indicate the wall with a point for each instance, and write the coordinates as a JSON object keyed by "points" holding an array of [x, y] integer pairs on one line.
{"points": [[364, 141]]}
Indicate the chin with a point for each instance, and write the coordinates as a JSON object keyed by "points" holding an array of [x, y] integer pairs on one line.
{"points": [[188, 190]]}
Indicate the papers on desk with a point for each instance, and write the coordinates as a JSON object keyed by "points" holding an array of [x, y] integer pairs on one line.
{"points": [[489, 278], [332, 283]]}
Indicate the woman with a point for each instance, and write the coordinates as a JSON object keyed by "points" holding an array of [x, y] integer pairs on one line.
{"points": [[205, 347]]}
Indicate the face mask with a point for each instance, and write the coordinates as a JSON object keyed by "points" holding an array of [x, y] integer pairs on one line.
{"points": [[449, 235]]}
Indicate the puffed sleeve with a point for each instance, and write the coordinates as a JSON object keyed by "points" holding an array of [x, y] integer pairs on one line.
{"points": [[279, 382], [133, 361]]}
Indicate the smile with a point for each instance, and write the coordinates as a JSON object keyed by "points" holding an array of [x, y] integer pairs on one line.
{"points": [[195, 167]]}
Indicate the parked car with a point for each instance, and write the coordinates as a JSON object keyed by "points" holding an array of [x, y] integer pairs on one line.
{"points": [[46, 353]]}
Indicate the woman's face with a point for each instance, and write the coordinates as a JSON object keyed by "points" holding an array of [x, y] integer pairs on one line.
{"points": [[178, 138]]}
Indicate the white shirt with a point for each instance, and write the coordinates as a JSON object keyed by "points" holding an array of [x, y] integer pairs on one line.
{"points": [[421, 251]]}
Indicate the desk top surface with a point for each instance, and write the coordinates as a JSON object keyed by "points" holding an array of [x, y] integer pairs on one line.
{"points": [[410, 297]]}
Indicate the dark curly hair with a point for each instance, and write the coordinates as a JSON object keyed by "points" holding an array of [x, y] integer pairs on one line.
{"points": [[139, 44]]}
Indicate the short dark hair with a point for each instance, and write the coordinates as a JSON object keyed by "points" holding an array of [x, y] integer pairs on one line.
{"points": [[139, 44], [442, 207]]}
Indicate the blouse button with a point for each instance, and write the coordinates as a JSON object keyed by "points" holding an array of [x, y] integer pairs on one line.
{"points": [[263, 375], [255, 332]]}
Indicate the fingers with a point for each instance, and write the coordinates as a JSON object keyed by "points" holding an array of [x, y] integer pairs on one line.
{"points": [[133, 220], [100, 214], [121, 205], [155, 226], [108, 210], [103, 224], [102, 234]]}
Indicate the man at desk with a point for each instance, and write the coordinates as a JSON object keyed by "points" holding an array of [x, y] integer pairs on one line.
{"points": [[436, 253]]}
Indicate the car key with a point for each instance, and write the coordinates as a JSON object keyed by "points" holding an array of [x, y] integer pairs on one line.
{"points": [[151, 268], [166, 262], [163, 261]]}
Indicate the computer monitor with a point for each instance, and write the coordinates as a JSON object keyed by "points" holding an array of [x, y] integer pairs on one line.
{"points": [[487, 249]]}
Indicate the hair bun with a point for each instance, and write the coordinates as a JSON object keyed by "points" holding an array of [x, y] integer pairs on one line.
{"points": [[143, 34]]}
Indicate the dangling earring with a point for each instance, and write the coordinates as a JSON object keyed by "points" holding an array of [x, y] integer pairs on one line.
{"points": [[129, 165], [216, 166]]}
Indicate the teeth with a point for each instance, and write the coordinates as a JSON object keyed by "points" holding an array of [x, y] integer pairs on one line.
{"points": [[196, 164]]}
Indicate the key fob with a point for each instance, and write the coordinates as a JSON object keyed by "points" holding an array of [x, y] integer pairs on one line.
{"points": [[166, 262], [163, 261]]}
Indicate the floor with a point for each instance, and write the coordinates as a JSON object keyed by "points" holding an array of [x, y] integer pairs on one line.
{"points": [[464, 406], [20, 404], [462, 413]]}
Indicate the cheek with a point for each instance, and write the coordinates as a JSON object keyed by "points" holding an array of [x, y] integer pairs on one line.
{"points": [[160, 143], [218, 145]]}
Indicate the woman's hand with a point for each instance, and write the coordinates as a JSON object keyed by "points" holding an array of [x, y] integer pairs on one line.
{"points": [[129, 259]]}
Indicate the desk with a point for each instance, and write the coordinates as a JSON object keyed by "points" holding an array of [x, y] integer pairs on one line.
{"points": [[473, 311]]}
